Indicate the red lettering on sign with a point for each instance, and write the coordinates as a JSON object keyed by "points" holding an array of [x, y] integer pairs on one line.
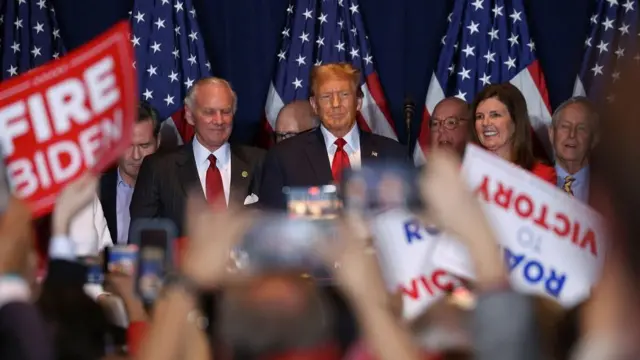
{"points": [[525, 207], [427, 285]]}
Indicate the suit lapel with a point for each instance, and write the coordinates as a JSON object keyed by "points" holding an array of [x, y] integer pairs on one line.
{"points": [[108, 198], [187, 171], [368, 148], [319, 158], [240, 175]]}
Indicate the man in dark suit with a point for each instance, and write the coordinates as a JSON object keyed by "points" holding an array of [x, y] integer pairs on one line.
{"points": [[116, 185], [318, 157], [208, 163]]}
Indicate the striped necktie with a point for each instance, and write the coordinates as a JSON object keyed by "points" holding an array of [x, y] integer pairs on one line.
{"points": [[568, 181]]}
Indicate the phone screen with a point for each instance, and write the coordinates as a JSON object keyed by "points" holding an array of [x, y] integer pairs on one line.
{"points": [[153, 239], [313, 203], [382, 186], [95, 274], [123, 259], [151, 272], [320, 207]]}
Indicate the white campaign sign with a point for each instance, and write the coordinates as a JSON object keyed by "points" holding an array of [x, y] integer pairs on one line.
{"points": [[553, 244], [404, 248]]}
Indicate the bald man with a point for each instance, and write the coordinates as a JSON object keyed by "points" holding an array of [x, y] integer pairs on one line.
{"points": [[295, 118], [449, 124]]}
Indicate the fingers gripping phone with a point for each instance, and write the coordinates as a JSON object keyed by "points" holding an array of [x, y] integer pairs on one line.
{"points": [[154, 239]]}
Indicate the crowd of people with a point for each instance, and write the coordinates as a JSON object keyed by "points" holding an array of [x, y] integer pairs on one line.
{"points": [[212, 191]]}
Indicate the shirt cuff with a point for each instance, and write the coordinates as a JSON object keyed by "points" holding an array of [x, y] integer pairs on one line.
{"points": [[94, 291], [62, 248], [13, 289]]}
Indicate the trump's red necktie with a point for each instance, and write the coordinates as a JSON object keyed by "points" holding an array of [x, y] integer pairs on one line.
{"points": [[214, 181], [340, 160]]}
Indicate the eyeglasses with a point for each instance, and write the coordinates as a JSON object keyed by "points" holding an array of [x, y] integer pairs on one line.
{"points": [[280, 136], [450, 123]]}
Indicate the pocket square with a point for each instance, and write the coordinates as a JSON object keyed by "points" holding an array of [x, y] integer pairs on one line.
{"points": [[251, 199]]}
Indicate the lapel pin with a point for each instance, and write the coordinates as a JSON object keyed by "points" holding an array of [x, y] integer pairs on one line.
{"points": [[245, 174], [374, 154]]}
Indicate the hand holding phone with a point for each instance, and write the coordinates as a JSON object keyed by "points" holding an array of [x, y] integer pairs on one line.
{"points": [[154, 239], [276, 242]]}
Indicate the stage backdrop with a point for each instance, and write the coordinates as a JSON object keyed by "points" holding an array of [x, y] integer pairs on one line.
{"points": [[242, 38]]}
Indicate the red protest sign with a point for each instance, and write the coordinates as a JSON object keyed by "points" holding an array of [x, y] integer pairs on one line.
{"points": [[67, 117]]}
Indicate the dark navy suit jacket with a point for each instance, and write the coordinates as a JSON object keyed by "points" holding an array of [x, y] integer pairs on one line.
{"points": [[303, 161]]}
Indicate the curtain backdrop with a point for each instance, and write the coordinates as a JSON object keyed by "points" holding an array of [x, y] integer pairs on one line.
{"points": [[242, 38]]}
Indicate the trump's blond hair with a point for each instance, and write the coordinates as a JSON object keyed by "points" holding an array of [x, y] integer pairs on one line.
{"points": [[344, 71]]}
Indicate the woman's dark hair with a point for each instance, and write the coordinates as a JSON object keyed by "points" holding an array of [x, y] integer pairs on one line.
{"points": [[512, 98], [78, 324]]}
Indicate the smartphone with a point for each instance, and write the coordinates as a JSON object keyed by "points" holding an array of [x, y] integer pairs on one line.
{"points": [[381, 186], [277, 241], [154, 241], [123, 259], [313, 203], [95, 274], [318, 207]]}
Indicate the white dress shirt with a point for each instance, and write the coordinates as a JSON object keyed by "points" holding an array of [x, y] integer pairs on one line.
{"points": [[223, 156], [352, 146], [89, 231]]}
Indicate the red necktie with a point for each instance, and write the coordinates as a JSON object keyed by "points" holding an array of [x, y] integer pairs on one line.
{"points": [[213, 181], [340, 160]]}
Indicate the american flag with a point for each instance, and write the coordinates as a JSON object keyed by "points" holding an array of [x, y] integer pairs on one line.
{"points": [[320, 32], [487, 42], [30, 36], [611, 40], [170, 57]]}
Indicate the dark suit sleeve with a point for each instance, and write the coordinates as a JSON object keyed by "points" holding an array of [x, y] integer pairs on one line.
{"points": [[256, 181], [145, 201], [270, 193], [396, 151], [23, 333]]}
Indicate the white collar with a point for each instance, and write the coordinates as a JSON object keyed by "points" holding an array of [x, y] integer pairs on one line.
{"points": [[352, 138], [201, 153]]}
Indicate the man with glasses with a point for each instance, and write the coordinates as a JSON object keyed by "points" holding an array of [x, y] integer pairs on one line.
{"points": [[449, 125], [293, 119]]}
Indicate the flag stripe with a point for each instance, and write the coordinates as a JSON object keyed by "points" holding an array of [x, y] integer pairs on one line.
{"points": [[170, 57], [610, 41], [487, 42], [321, 32]]}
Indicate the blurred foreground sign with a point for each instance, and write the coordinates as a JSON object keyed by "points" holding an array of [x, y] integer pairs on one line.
{"points": [[553, 244], [67, 117]]}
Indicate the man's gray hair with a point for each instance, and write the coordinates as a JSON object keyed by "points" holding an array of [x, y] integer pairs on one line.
{"points": [[592, 114], [189, 99]]}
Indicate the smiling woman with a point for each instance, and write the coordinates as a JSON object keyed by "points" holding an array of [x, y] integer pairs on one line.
{"points": [[502, 126]]}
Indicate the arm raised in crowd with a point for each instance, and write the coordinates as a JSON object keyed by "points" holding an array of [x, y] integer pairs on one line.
{"points": [[360, 279], [23, 332], [504, 322]]}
